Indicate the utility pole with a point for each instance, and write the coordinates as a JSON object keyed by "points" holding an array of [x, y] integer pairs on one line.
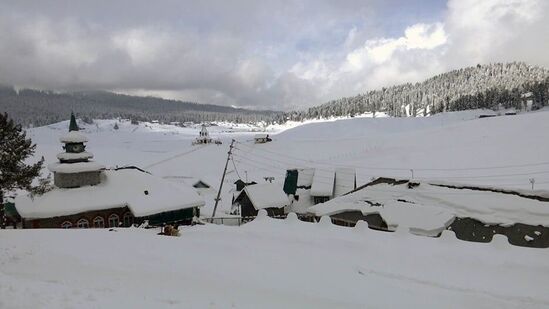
{"points": [[218, 198], [532, 181]]}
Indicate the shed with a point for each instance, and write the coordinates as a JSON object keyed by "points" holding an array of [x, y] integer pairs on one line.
{"points": [[268, 196]]}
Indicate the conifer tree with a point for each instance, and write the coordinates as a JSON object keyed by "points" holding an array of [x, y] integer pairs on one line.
{"points": [[15, 149]]}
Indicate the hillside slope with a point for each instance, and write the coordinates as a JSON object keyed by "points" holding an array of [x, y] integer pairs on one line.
{"points": [[38, 108], [482, 86]]}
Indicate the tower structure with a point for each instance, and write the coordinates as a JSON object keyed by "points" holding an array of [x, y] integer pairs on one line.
{"points": [[75, 169]]}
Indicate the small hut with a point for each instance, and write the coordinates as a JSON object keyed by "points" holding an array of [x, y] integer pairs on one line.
{"points": [[268, 196]]}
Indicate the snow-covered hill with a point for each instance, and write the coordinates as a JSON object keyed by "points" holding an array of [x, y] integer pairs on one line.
{"points": [[482, 86]]}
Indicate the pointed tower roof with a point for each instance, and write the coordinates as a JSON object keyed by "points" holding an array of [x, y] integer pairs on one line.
{"points": [[73, 126]]}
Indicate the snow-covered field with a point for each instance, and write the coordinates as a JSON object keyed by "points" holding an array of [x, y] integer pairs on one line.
{"points": [[279, 264], [266, 264], [504, 151]]}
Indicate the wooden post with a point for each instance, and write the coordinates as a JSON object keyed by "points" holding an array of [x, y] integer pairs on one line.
{"points": [[223, 178]]}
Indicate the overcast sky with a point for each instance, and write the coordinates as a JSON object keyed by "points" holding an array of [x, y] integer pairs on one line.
{"points": [[260, 54]]}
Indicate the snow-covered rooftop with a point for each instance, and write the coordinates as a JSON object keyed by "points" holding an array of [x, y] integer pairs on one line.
{"points": [[73, 137], [261, 135], [429, 207], [78, 167], [305, 177], [323, 182], [118, 188], [344, 180], [74, 156], [266, 195]]}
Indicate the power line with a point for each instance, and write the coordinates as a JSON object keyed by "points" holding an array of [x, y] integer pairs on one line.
{"points": [[235, 169], [424, 178], [463, 192], [286, 163], [398, 168]]}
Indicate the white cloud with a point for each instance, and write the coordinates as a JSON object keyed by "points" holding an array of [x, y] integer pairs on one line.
{"points": [[378, 51], [498, 30], [424, 36]]}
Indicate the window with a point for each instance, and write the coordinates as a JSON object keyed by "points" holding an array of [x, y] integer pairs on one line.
{"points": [[113, 220], [83, 224], [99, 222], [321, 199], [66, 225], [128, 219]]}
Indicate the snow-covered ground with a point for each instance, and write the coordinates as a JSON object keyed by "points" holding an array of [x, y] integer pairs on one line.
{"points": [[266, 264], [282, 264], [504, 151]]}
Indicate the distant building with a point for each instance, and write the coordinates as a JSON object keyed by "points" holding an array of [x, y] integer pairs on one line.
{"points": [[527, 100], [204, 137], [262, 138], [203, 187], [85, 195]]}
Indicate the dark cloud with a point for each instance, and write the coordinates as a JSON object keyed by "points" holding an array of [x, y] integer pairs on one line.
{"points": [[258, 54]]}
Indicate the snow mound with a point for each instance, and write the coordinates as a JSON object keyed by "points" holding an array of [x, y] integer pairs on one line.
{"points": [[292, 218], [325, 221], [448, 236], [500, 241], [261, 215], [361, 226]]}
